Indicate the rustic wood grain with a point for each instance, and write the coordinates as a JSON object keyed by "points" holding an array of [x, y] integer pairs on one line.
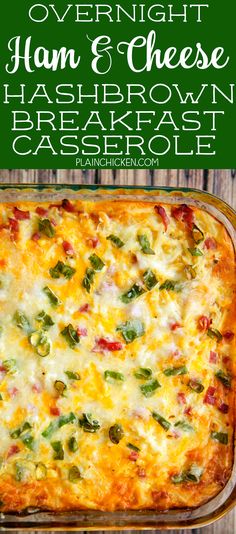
{"points": [[219, 182]]}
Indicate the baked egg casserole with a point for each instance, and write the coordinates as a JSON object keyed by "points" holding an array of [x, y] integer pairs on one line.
{"points": [[117, 339]]}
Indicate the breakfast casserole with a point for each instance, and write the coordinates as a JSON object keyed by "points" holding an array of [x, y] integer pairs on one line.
{"points": [[117, 334]]}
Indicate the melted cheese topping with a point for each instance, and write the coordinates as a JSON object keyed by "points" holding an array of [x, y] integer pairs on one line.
{"points": [[169, 451]]}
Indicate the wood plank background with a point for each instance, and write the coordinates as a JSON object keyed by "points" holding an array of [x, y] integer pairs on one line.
{"points": [[219, 182]]}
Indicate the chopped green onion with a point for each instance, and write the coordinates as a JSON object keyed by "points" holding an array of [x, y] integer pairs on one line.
{"points": [[133, 447], [143, 373], [1, 397], [21, 430], [65, 419], [60, 387], [184, 426], [131, 330], [40, 471], [45, 320], [111, 376], [53, 299], [116, 240], [190, 272], [46, 228], [10, 366], [195, 251], [145, 244], [29, 442], [71, 336], [169, 285], [58, 450], [221, 437], [62, 269], [192, 475], [52, 427], [72, 375], [74, 474], [58, 423], [96, 262], [213, 333], [178, 479], [40, 342], [225, 379], [134, 292], [72, 444], [116, 433], [149, 388], [196, 386], [163, 422], [88, 279], [175, 371], [197, 234], [20, 472], [149, 279], [88, 423], [22, 321]]}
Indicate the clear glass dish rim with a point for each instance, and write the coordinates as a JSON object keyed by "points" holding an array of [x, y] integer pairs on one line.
{"points": [[135, 520]]}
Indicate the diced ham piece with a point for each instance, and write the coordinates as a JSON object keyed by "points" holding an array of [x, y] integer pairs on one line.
{"points": [[103, 344], [209, 396], [175, 326], [68, 249], [42, 212], [13, 392], [228, 336], [93, 242], [183, 213], [157, 495], [226, 360], [14, 227], [188, 410], [210, 243], [4, 226], [14, 449], [21, 215], [141, 472], [68, 206], [204, 323], [36, 236], [176, 354], [213, 357], [162, 212], [134, 259], [36, 388], [181, 398], [133, 456], [223, 408], [83, 332], [58, 207], [54, 410], [85, 308], [175, 434]]}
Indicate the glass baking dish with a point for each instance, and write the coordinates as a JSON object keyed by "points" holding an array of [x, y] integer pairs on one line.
{"points": [[217, 507]]}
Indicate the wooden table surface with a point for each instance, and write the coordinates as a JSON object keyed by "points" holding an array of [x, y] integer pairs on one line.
{"points": [[221, 183]]}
